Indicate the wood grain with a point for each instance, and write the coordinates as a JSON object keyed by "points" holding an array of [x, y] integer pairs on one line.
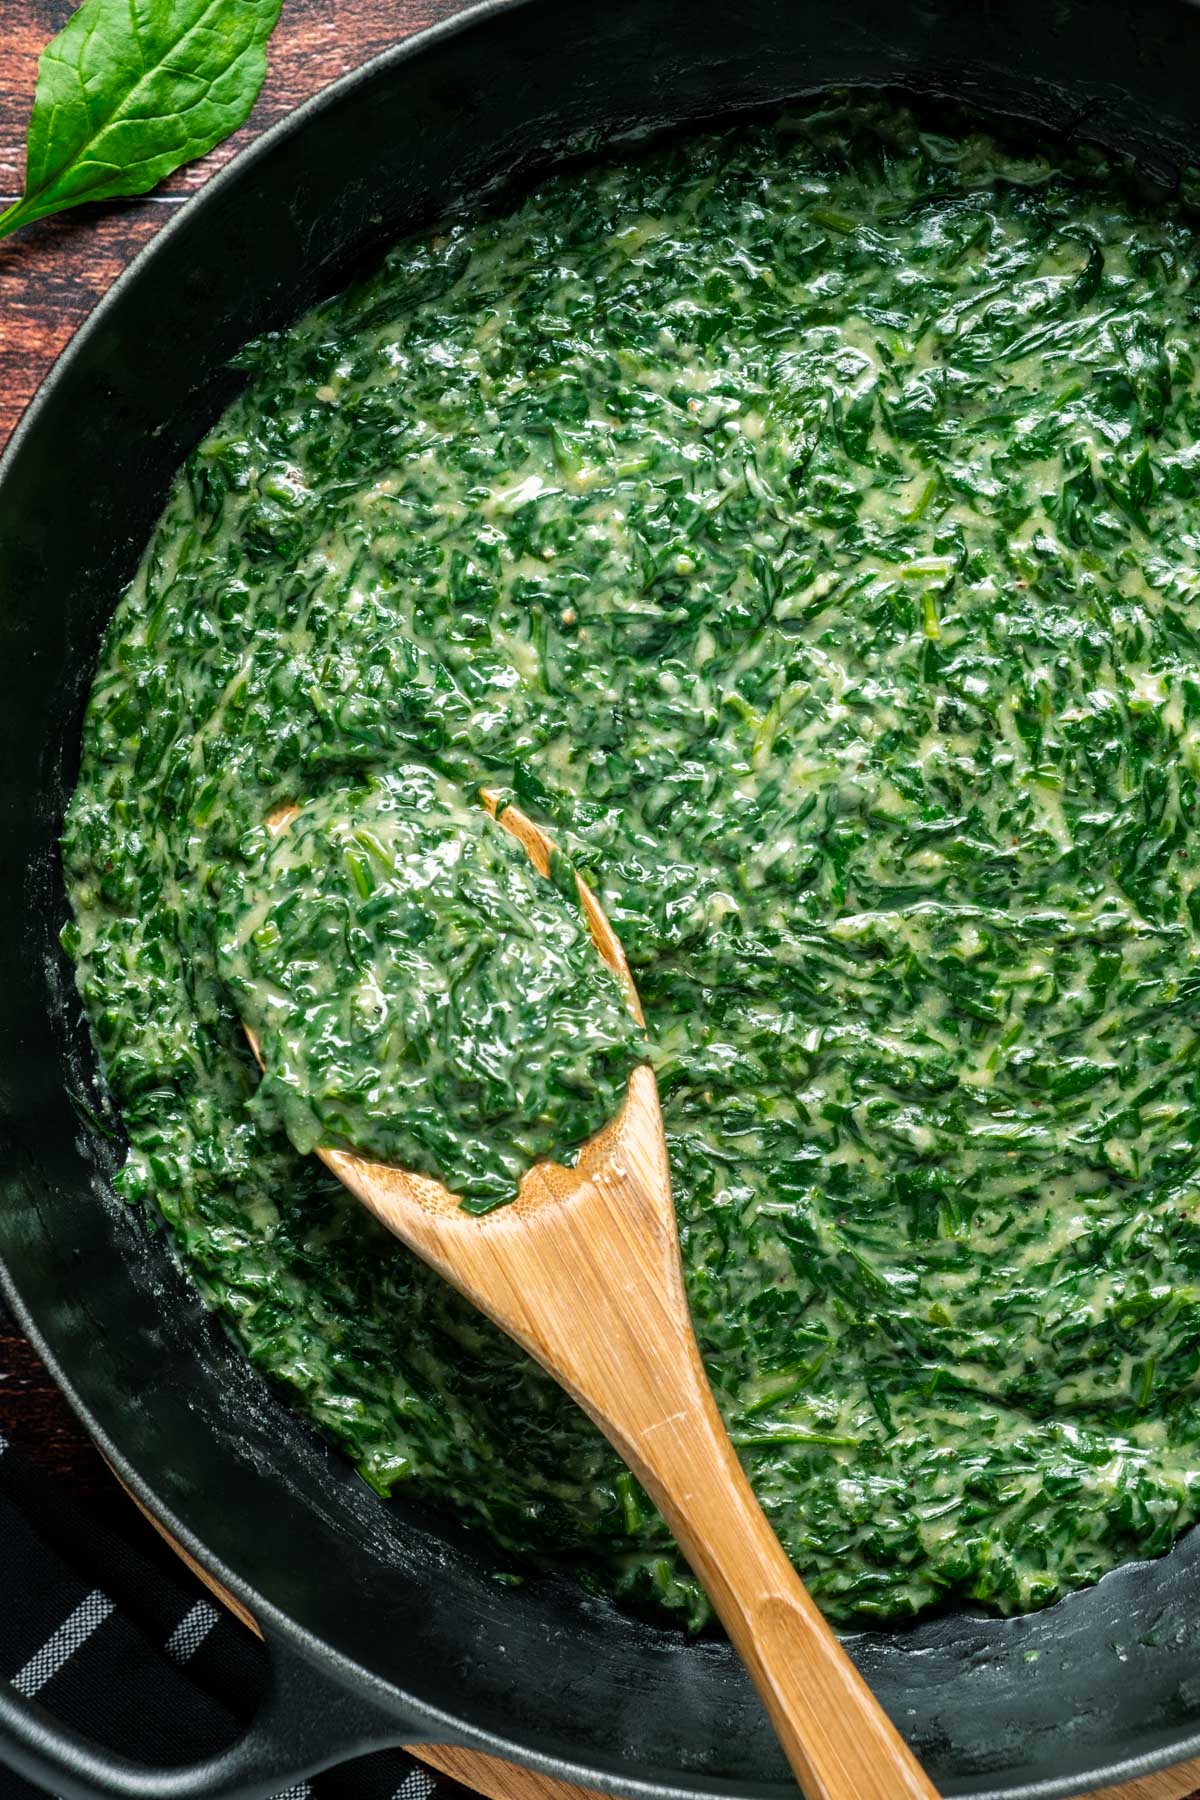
{"points": [[52, 274], [50, 277], [502, 1781], [1180, 1783], [34, 1415]]}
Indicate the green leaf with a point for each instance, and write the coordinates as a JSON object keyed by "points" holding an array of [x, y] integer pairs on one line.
{"points": [[130, 89]]}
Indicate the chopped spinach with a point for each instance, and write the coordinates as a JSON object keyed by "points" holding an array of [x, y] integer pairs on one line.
{"points": [[801, 522], [419, 993]]}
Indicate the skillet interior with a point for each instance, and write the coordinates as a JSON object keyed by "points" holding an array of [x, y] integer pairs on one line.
{"points": [[541, 1671]]}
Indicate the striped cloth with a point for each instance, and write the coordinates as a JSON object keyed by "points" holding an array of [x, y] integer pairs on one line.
{"points": [[114, 1635]]}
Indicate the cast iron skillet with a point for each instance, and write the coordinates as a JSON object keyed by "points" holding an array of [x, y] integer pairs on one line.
{"points": [[384, 1623]]}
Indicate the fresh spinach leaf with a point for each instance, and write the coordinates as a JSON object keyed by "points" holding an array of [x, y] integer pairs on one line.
{"points": [[130, 89]]}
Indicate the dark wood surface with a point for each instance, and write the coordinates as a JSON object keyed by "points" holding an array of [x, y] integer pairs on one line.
{"points": [[51, 275]]}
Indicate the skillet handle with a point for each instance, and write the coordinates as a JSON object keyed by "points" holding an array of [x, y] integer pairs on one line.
{"points": [[308, 1721]]}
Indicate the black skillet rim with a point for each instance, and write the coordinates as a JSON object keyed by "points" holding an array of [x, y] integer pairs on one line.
{"points": [[415, 1720]]}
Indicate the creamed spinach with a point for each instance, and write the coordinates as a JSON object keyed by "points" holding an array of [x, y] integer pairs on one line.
{"points": [[417, 990], [801, 522]]}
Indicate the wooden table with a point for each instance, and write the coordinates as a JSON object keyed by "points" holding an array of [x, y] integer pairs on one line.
{"points": [[51, 276]]}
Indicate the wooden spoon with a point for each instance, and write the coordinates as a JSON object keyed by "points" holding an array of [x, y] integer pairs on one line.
{"points": [[583, 1270]]}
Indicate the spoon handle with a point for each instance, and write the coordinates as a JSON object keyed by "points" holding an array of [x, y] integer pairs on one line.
{"points": [[665, 1424], [584, 1271], [840, 1742]]}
